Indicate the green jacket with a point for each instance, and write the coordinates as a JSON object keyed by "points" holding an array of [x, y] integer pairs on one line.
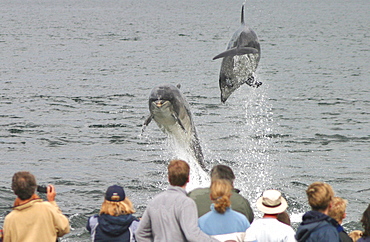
{"points": [[238, 202]]}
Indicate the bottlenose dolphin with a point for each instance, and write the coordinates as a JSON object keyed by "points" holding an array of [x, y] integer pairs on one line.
{"points": [[240, 60], [170, 110]]}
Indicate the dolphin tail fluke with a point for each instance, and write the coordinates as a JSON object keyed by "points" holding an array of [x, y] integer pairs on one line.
{"points": [[236, 51]]}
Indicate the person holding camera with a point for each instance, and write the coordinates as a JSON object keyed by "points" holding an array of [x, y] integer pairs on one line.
{"points": [[33, 219]]}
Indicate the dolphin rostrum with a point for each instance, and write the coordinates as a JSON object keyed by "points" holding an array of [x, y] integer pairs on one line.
{"points": [[240, 60], [170, 110]]}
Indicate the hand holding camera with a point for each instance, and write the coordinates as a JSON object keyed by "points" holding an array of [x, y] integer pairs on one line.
{"points": [[49, 190]]}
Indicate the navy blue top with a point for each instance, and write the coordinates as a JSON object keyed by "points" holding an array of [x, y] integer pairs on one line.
{"points": [[111, 228], [317, 227]]}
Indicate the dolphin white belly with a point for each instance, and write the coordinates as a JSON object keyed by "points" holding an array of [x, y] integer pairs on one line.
{"points": [[171, 112]]}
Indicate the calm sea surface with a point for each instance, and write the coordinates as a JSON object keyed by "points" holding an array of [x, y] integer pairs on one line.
{"points": [[75, 77]]}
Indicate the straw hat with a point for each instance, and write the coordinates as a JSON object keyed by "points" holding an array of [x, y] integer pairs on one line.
{"points": [[271, 202]]}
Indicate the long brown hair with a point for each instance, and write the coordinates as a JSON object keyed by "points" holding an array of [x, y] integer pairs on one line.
{"points": [[220, 194], [117, 208]]}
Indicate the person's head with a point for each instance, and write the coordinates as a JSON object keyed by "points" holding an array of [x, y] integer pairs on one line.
{"points": [[338, 209], [222, 172], [220, 194], [116, 203], [271, 202], [320, 196], [24, 185], [178, 173], [284, 218], [365, 220]]}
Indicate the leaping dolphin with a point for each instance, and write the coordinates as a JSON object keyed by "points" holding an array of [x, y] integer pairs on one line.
{"points": [[240, 60], [170, 110]]}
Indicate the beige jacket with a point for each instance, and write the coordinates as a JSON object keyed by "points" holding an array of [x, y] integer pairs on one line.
{"points": [[35, 221]]}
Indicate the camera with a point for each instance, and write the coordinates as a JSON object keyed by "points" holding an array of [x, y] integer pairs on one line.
{"points": [[42, 189]]}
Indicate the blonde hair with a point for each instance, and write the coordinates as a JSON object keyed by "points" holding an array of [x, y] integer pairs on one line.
{"points": [[319, 195], [220, 194], [117, 208], [338, 209]]}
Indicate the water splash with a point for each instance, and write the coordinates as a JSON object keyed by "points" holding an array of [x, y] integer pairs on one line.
{"points": [[198, 177], [254, 158]]}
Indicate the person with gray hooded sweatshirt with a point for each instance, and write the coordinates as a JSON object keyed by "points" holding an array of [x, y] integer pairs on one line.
{"points": [[172, 215]]}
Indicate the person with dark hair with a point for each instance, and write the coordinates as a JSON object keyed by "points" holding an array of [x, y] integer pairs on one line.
{"points": [[32, 219], [172, 215], [115, 221], [239, 203], [316, 225], [365, 220], [338, 212], [222, 222], [284, 218], [269, 228]]}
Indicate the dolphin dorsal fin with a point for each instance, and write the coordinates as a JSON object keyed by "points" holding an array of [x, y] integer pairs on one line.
{"points": [[242, 15], [178, 86]]}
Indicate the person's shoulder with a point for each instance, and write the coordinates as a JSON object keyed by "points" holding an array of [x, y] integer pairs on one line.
{"points": [[95, 216], [171, 194], [205, 216], [93, 219], [325, 227], [199, 191], [284, 226], [10, 215], [46, 204], [154, 200], [238, 215], [238, 200], [344, 237], [236, 193]]}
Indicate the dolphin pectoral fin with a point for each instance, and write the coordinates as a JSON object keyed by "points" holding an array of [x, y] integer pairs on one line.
{"points": [[246, 50], [236, 51], [147, 121], [179, 122], [230, 52]]}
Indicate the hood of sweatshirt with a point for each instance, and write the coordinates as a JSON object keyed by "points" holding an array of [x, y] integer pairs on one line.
{"points": [[28, 204], [311, 221], [115, 225]]}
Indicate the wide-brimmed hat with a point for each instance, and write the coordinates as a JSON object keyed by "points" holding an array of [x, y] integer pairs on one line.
{"points": [[271, 202], [115, 193]]}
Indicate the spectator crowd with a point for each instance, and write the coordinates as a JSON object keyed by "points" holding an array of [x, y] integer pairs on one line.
{"points": [[215, 213]]}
